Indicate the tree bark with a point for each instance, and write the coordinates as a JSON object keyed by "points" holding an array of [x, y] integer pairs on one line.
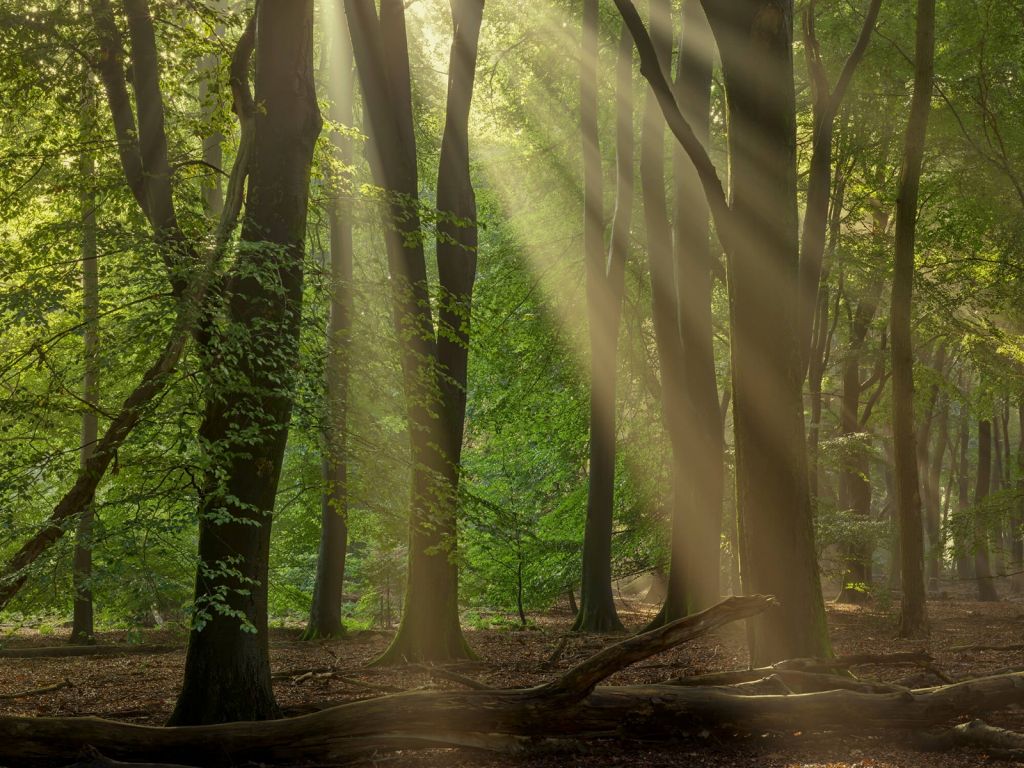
{"points": [[325, 611], [913, 610], [597, 606], [245, 426]]}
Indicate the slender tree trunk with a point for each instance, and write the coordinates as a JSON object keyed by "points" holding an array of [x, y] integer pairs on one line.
{"points": [[325, 611], [933, 506], [914, 613], [1017, 521], [773, 498], [597, 606], [982, 569], [82, 623], [245, 427], [996, 535]]}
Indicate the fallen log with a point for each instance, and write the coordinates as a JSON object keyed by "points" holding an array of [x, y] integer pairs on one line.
{"points": [[562, 714], [998, 742], [68, 651]]}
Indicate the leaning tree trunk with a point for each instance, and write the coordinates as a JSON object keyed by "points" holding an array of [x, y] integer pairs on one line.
{"points": [[325, 610], [82, 622], [245, 426], [605, 286], [773, 499], [913, 613], [982, 568]]}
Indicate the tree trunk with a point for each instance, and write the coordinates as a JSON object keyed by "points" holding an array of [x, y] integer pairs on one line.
{"points": [[933, 495], [758, 232], [82, 623], [982, 569], [325, 611], [434, 381], [694, 270], [913, 613], [677, 414], [854, 480], [245, 426], [597, 606], [963, 545], [773, 498], [996, 485]]}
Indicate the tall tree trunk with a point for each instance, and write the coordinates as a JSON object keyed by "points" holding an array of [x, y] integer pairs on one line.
{"points": [[694, 268], [677, 413], [982, 569], [605, 285], [773, 498], [913, 613], [759, 233], [435, 380], [325, 611], [82, 623], [597, 606], [245, 427]]}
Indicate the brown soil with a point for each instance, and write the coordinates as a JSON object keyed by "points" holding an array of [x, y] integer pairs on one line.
{"points": [[141, 688]]}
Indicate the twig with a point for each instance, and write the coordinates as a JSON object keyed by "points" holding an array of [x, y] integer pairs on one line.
{"points": [[65, 683], [455, 677]]}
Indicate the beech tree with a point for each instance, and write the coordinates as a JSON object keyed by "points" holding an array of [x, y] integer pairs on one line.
{"points": [[434, 359]]}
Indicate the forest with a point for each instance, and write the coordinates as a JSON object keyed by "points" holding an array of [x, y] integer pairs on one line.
{"points": [[451, 383]]}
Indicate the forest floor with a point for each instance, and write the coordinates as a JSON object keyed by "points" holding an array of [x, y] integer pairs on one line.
{"points": [[141, 688]]}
